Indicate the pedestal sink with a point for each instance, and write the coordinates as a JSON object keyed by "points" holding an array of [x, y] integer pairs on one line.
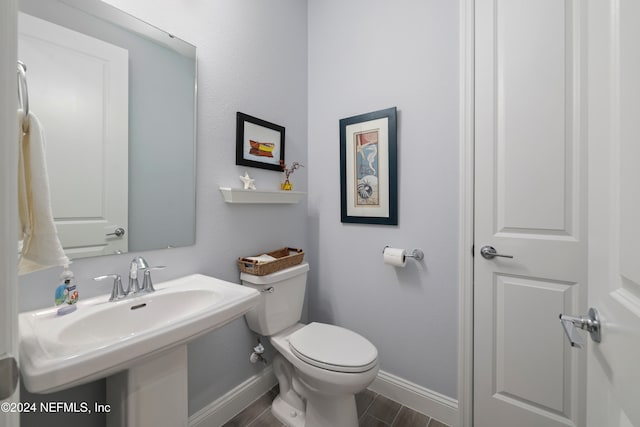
{"points": [[139, 343]]}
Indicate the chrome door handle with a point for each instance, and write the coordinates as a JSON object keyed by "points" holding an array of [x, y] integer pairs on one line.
{"points": [[590, 323], [489, 252], [119, 232]]}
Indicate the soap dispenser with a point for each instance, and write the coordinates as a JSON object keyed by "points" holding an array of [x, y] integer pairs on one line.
{"points": [[66, 293]]}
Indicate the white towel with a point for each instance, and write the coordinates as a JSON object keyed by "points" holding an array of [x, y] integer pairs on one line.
{"points": [[262, 258], [41, 247]]}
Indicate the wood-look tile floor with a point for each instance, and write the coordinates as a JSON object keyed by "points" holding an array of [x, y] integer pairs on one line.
{"points": [[374, 410]]}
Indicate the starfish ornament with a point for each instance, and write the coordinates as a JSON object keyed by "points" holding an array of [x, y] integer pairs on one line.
{"points": [[248, 182]]}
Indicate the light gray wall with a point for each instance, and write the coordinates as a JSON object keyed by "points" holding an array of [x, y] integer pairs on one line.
{"points": [[252, 57], [366, 55]]}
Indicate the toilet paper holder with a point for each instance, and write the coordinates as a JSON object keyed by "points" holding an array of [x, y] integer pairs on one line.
{"points": [[416, 254]]}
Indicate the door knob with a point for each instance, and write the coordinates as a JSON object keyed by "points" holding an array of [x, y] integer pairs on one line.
{"points": [[118, 232], [590, 323], [489, 252]]}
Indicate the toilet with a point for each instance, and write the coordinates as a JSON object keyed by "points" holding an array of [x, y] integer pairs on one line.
{"points": [[319, 367]]}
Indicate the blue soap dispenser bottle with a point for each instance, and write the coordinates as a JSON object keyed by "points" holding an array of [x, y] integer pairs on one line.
{"points": [[66, 293]]}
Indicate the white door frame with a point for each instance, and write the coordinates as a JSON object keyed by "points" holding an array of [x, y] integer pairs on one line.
{"points": [[8, 193], [466, 216]]}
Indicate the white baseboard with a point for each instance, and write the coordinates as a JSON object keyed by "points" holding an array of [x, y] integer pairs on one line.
{"points": [[423, 400], [232, 403], [434, 404]]}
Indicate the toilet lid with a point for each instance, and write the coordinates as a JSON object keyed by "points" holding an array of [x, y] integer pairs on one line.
{"points": [[333, 348]]}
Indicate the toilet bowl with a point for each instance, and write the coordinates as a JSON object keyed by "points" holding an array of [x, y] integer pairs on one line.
{"points": [[319, 367]]}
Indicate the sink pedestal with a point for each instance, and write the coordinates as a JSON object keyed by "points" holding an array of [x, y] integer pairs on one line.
{"points": [[150, 393]]}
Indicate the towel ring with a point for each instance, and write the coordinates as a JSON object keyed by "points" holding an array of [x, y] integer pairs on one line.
{"points": [[23, 95]]}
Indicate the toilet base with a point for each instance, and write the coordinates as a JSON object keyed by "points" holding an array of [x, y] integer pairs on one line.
{"points": [[325, 411], [317, 397], [286, 413]]}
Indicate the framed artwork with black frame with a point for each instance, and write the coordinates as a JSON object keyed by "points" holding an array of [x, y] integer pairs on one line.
{"points": [[369, 168], [259, 144]]}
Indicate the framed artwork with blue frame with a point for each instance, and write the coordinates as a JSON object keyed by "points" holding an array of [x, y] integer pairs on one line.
{"points": [[369, 168]]}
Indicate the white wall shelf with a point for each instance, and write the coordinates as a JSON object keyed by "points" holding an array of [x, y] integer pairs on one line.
{"points": [[238, 195]]}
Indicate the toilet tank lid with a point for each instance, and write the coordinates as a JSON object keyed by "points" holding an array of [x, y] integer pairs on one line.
{"points": [[278, 276]]}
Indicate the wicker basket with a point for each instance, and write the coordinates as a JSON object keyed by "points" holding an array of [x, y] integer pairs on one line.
{"points": [[285, 258]]}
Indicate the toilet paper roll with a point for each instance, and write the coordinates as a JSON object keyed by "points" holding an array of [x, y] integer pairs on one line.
{"points": [[395, 256]]}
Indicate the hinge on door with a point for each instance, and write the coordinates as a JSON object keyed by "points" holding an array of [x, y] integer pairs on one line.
{"points": [[8, 377], [473, 250]]}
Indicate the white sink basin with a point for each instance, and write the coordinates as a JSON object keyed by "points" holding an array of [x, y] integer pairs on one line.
{"points": [[102, 337]]}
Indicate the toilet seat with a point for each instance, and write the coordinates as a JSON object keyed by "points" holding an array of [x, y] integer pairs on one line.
{"points": [[333, 348]]}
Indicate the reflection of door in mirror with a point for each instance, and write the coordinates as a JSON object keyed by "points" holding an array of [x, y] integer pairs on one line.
{"points": [[78, 88]]}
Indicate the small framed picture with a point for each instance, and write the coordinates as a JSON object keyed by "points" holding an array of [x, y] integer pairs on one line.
{"points": [[369, 168], [259, 144]]}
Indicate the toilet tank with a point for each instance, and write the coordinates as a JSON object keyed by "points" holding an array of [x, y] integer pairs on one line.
{"points": [[281, 299]]}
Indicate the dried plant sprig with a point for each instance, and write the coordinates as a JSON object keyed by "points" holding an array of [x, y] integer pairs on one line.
{"points": [[289, 171]]}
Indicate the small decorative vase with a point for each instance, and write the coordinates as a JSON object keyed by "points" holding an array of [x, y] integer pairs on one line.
{"points": [[286, 186]]}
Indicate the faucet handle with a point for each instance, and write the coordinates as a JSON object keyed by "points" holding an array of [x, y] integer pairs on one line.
{"points": [[147, 284], [117, 292]]}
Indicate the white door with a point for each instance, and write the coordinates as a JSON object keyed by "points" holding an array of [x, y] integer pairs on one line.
{"points": [[614, 212], [8, 213], [530, 203], [78, 89]]}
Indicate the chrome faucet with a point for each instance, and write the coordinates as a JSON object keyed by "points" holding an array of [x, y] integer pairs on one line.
{"points": [[138, 263]]}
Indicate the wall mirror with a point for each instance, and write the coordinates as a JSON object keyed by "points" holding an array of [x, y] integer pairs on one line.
{"points": [[116, 98]]}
